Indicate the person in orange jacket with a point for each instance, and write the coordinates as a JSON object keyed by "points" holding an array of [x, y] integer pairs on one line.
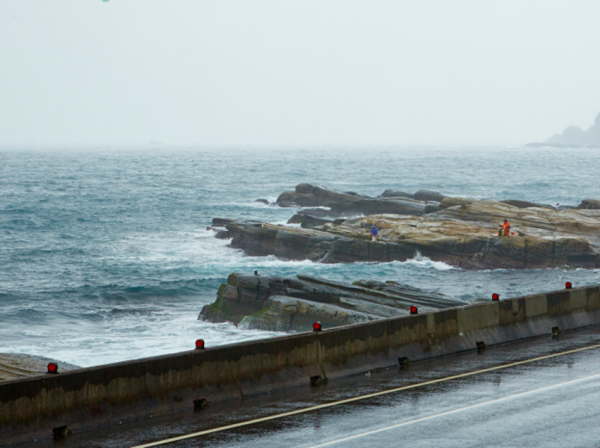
{"points": [[504, 228]]}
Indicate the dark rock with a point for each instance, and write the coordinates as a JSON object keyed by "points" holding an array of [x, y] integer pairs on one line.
{"points": [[223, 235], [287, 204], [396, 194], [319, 213], [427, 195], [61, 433], [296, 219], [589, 204], [221, 222], [308, 195], [201, 403], [317, 380], [264, 201], [312, 217]]}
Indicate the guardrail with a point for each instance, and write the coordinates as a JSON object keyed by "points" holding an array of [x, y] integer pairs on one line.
{"points": [[132, 389]]}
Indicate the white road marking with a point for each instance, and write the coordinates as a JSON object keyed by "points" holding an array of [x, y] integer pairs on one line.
{"points": [[466, 408], [362, 397]]}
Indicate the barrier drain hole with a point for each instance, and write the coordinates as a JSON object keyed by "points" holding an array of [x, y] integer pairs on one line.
{"points": [[481, 346], [62, 432], [555, 331], [317, 380], [403, 361], [200, 404]]}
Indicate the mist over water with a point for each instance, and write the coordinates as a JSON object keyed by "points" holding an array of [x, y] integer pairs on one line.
{"points": [[105, 256]]}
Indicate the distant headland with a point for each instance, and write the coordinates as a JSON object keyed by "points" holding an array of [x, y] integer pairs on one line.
{"points": [[574, 137]]}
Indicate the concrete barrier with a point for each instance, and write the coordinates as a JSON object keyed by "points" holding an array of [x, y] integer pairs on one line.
{"points": [[116, 392]]}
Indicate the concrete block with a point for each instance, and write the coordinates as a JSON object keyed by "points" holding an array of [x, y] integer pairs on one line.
{"points": [[577, 299], [444, 323], [536, 305], [593, 298], [512, 311], [431, 323], [559, 303], [474, 317]]}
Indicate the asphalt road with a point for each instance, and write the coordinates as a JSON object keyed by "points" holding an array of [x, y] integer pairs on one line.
{"points": [[551, 402]]}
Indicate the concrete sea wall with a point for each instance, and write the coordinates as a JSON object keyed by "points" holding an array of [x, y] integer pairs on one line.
{"points": [[151, 386]]}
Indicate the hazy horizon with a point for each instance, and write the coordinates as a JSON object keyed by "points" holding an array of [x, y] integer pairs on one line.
{"points": [[295, 74]]}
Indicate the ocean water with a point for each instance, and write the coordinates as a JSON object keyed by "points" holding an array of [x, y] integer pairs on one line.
{"points": [[105, 256]]}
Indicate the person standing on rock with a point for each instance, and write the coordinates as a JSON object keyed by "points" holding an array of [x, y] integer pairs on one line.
{"points": [[374, 233]]}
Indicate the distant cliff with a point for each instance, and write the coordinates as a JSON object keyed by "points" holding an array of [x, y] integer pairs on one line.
{"points": [[575, 137]]}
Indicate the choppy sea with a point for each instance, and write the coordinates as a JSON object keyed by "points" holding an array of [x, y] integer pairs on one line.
{"points": [[105, 256]]}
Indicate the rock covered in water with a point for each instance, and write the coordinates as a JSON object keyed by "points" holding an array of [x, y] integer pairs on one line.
{"points": [[294, 304]]}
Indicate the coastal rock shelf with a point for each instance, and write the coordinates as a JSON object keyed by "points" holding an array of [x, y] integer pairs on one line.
{"points": [[294, 304], [459, 231], [15, 366]]}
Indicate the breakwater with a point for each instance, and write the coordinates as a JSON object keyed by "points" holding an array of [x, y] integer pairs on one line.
{"points": [[133, 389]]}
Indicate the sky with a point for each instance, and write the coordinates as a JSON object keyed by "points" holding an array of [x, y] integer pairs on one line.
{"points": [[297, 73]]}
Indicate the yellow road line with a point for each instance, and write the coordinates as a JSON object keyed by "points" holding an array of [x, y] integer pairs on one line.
{"points": [[361, 397], [442, 414]]}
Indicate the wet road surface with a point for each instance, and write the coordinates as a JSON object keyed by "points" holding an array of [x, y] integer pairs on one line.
{"points": [[550, 402]]}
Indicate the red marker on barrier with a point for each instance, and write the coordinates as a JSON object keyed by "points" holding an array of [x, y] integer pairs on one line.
{"points": [[568, 285], [52, 367], [495, 297], [317, 326], [414, 310], [200, 344]]}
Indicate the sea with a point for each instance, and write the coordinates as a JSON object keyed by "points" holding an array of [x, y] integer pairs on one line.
{"points": [[105, 254]]}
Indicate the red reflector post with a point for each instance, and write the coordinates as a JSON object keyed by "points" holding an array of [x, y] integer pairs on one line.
{"points": [[317, 326], [414, 310], [200, 344], [568, 285], [52, 367], [495, 296]]}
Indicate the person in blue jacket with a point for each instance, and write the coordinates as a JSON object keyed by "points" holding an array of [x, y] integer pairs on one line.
{"points": [[374, 233]]}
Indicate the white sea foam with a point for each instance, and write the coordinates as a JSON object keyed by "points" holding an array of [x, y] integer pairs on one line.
{"points": [[425, 262]]}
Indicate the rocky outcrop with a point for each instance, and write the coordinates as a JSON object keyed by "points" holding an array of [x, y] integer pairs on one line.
{"points": [[421, 195], [463, 233], [589, 204], [294, 304], [573, 136], [350, 203]]}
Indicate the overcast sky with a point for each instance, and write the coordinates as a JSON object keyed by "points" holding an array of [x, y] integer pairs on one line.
{"points": [[247, 73]]}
